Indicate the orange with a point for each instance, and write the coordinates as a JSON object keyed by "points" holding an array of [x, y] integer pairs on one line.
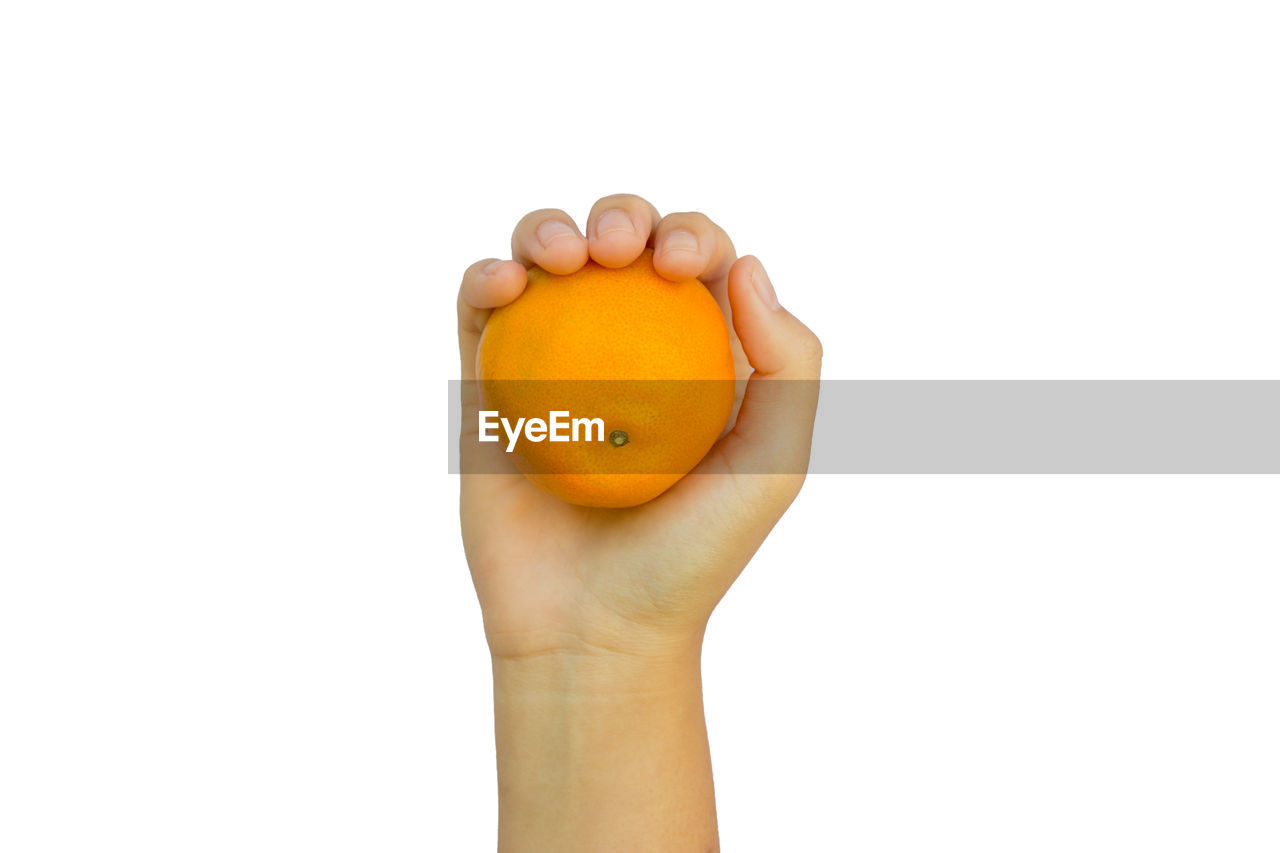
{"points": [[648, 357]]}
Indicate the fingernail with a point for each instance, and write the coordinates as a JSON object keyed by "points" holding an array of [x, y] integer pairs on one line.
{"points": [[551, 230], [612, 221], [491, 266], [764, 287], [680, 241]]}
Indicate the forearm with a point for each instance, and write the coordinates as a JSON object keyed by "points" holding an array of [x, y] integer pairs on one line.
{"points": [[602, 752]]}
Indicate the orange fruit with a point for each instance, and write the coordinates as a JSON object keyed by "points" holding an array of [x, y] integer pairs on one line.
{"points": [[646, 356]]}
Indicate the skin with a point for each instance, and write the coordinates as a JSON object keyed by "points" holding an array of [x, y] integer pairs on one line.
{"points": [[595, 618]]}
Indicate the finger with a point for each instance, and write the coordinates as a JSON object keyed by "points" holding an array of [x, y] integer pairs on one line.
{"points": [[618, 228], [476, 456], [549, 239], [774, 429], [486, 285], [760, 465], [690, 245]]}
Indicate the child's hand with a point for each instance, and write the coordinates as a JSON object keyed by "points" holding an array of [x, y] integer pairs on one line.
{"points": [[595, 616], [553, 577]]}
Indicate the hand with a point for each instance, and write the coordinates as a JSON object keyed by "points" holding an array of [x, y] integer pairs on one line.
{"points": [[553, 577], [595, 617]]}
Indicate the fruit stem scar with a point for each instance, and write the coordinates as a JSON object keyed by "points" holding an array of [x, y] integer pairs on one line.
{"points": [[618, 438]]}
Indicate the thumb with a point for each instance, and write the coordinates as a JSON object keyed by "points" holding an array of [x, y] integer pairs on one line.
{"points": [[774, 429]]}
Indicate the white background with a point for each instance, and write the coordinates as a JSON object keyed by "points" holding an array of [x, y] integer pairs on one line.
{"points": [[234, 610]]}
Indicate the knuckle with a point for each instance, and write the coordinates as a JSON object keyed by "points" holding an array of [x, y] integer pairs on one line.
{"points": [[693, 219], [627, 200], [470, 275], [811, 347], [535, 217]]}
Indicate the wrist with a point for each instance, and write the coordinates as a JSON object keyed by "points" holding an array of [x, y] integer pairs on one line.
{"points": [[672, 665], [594, 643], [586, 741]]}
